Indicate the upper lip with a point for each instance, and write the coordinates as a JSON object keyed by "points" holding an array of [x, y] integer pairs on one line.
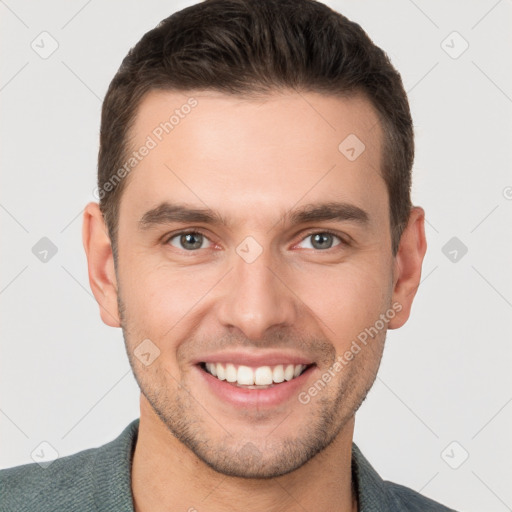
{"points": [[255, 360]]}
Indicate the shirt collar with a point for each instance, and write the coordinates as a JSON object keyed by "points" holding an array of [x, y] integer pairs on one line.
{"points": [[112, 472], [371, 491]]}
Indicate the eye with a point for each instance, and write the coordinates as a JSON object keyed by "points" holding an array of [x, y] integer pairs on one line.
{"points": [[322, 240], [194, 240], [189, 241]]}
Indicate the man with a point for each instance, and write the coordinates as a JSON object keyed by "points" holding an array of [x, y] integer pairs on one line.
{"points": [[255, 240]]}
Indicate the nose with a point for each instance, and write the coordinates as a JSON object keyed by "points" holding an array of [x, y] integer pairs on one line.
{"points": [[256, 297]]}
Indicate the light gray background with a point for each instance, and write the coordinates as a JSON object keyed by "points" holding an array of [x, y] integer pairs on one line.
{"points": [[445, 376]]}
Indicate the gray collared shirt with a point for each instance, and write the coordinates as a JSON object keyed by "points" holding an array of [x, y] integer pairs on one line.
{"points": [[99, 480]]}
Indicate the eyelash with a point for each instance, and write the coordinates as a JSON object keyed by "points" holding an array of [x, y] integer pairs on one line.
{"points": [[343, 241]]}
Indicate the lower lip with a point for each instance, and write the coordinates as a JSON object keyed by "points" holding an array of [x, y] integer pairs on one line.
{"points": [[267, 397]]}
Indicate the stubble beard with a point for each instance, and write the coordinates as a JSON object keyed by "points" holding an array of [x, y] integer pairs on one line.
{"points": [[186, 418]]}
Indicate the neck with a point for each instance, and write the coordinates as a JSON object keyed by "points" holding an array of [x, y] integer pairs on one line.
{"points": [[166, 475]]}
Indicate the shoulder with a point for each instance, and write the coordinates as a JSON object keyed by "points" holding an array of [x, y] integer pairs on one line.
{"points": [[411, 501], [61, 484], [379, 495], [90, 480]]}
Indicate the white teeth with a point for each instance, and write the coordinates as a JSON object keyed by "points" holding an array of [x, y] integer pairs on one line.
{"points": [[278, 373], [245, 376], [221, 373], [261, 376], [288, 372], [231, 373], [211, 368]]}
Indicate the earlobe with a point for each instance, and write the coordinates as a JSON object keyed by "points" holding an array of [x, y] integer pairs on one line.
{"points": [[408, 262], [100, 264]]}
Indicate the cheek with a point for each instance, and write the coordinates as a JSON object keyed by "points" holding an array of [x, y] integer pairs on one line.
{"points": [[347, 299], [158, 297]]}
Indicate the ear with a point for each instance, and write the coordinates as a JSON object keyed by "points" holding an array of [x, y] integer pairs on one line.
{"points": [[100, 264], [407, 267]]}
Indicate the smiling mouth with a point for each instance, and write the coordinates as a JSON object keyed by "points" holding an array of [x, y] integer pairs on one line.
{"points": [[261, 377]]}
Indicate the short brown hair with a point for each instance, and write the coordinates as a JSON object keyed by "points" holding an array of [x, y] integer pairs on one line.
{"points": [[258, 46]]}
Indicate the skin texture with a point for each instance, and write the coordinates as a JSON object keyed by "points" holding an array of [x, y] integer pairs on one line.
{"points": [[253, 160]]}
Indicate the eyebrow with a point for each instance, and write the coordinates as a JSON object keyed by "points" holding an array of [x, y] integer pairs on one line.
{"points": [[167, 213]]}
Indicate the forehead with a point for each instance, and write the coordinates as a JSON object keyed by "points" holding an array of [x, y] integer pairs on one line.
{"points": [[244, 154]]}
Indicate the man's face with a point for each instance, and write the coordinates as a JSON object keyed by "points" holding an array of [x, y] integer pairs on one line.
{"points": [[262, 288]]}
